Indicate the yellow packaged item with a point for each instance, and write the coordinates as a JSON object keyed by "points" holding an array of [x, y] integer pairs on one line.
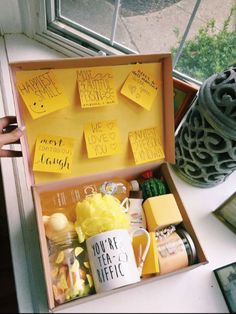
{"points": [[161, 211]]}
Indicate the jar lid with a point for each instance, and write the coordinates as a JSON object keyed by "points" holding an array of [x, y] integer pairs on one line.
{"points": [[193, 253]]}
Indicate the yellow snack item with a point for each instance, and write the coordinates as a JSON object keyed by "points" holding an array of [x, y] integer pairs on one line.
{"points": [[90, 280], [60, 257], [82, 274], [86, 264], [81, 236], [78, 250], [99, 213], [62, 284], [58, 294]]}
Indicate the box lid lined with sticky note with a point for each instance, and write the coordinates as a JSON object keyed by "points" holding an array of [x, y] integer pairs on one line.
{"points": [[91, 119], [92, 115]]}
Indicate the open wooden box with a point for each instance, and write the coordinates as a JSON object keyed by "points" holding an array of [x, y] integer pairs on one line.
{"points": [[69, 122]]}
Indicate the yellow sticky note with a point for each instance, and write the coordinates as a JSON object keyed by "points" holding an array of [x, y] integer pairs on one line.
{"points": [[53, 154], [41, 91], [146, 145], [140, 87], [96, 87], [102, 138]]}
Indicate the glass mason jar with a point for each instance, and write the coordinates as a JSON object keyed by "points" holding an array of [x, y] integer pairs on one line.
{"points": [[70, 270], [175, 251]]}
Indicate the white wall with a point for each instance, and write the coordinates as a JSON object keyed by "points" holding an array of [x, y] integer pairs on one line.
{"points": [[10, 16]]}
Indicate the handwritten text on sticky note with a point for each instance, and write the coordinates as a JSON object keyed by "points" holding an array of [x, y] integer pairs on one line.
{"points": [[146, 145], [53, 154], [41, 91], [102, 138], [96, 87], [140, 88]]}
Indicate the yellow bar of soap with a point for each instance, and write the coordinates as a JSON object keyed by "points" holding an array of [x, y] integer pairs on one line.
{"points": [[151, 265], [161, 211]]}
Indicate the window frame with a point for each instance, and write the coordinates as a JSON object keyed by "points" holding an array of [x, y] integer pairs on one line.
{"points": [[94, 39], [75, 42]]}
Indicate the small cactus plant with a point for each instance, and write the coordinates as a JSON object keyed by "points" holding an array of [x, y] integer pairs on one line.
{"points": [[152, 186]]}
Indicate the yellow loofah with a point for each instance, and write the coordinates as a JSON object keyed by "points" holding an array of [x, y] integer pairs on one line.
{"points": [[98, 213]]}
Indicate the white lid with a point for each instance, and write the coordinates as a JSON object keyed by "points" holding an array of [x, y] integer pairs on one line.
{"points": [[135, 185]]}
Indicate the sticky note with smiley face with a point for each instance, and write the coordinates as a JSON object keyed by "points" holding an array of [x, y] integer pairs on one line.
{"points": [[102, 138], [41, 92]]}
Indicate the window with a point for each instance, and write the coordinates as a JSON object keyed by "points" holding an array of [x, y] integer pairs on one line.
{"points": [[199, 33]]}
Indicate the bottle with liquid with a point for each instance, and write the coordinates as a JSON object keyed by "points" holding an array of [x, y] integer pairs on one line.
{"points": [[134, 209], [136, 213], [68, 197]]}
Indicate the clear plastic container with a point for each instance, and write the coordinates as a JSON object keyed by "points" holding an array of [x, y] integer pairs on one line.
{"points": [[69, 265]]}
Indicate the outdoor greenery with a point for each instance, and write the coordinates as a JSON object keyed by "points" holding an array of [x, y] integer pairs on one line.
{"points": [[211, 51]]}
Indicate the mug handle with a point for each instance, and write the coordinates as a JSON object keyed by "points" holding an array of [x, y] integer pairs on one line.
{"points": [[145, 251]]}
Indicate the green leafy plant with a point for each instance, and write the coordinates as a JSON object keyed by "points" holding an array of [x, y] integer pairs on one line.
{"points": [[210, 52]]}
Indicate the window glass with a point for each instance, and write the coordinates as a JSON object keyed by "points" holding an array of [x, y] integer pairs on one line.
{"points": [[199, 33], [152, 24], [92, 15], [210, 45]]}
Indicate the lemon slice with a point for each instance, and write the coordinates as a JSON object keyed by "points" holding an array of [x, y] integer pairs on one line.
{"points": [[81, 235], [90, 280], [60, 257], [78, 250], [86, 264]]}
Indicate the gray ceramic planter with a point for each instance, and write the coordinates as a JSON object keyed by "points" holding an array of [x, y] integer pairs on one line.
{"points": [[206, 140]]}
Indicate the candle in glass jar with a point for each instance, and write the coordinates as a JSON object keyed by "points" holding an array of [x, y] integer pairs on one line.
{"points": [[175, 251]]}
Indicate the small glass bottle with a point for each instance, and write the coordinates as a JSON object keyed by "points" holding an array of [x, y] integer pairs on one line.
{"points": [[70, 271], [175, 249]]}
